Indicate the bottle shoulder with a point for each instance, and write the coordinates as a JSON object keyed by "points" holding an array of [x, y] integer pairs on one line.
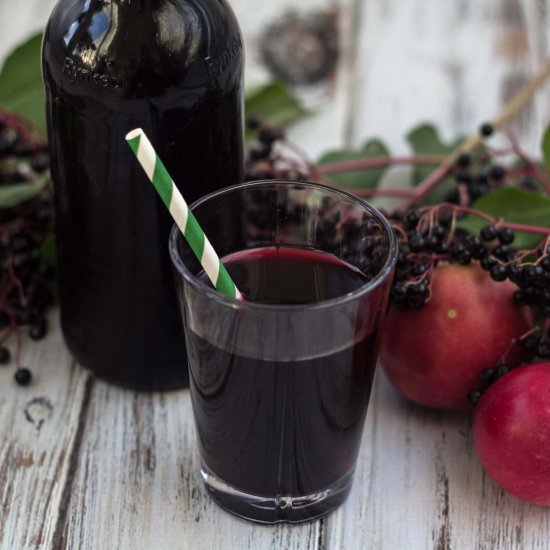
{"points": [[141, 43]]}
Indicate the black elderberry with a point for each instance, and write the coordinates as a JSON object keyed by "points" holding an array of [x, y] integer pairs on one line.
{"points": [[502, 251], [465, 258], [498, 272], [445, 218], [4, 319], [464, 177], [487, 262], [439, 231], [5, 355], [402, 258], [269, 135], [474, 397], [545, 263], [23, 376], [497, 172], [477, 190], [488, 233], [533, 273], [260, 152], [543, 350], [38, 329], [487, 373], [475, 245], [481, 178], [452, 197], [419, 290], [419, 269], [486, 129], [457, 249], [253, 122], [432, 243], [412, 217], [528, 184], [399, 291], [501, 370], [514, 272], [505, 235], [416, 242], [531, 342], [464, 160]]}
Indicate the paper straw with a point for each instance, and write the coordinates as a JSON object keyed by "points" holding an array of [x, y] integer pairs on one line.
{"points": [[184, 218]]}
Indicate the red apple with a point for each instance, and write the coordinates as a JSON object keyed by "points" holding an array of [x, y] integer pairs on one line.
{"points": [[512, 432], [434, 355]]}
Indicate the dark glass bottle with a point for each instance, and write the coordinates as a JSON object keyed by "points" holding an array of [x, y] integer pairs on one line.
{"points": [[175, 69]]}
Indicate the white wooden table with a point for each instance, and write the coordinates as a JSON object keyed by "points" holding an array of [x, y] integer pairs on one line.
{"points": [[84, 465]]}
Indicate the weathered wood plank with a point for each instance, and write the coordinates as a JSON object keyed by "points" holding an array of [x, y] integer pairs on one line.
{"points": [[420, 485], [137, 486], [451, 63], [40, 424]]}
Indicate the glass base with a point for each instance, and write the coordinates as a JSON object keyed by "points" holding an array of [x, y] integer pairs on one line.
{"points": [[280, 509]]}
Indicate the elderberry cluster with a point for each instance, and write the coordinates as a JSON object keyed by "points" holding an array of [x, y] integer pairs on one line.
{"points": [[474, 181], [420, 245], [262, 161], [488, 376], [25, 276]]}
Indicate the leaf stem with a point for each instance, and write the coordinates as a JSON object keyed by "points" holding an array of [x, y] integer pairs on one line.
{"points": [[377, 162]]}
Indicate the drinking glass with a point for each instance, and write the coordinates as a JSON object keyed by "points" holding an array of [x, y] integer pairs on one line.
{"points": [[280, 386]]}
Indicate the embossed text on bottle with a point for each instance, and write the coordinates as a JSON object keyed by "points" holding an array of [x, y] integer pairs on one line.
{"points": [[217, 65], [81, 75]]}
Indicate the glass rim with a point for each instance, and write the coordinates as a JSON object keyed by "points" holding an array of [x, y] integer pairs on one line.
{"points": [[211, 292]]}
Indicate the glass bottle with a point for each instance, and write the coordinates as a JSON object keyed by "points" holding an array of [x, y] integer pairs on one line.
{"points": [[175, 69]]}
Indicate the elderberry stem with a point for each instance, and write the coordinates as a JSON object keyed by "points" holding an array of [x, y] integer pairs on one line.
{"points": [[499, 222], [377, 162], [536, 171], [525, 228], [431, 181], [509, 110], [376, 192]]}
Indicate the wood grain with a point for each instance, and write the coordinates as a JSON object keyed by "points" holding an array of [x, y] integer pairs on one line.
{"points": [[420, 485], [40, 426], [136, 484], [85, 465], [450, 63]]}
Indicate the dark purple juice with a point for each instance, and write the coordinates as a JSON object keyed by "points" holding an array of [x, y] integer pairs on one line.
{"points": [[283, 427], [173, 68]]}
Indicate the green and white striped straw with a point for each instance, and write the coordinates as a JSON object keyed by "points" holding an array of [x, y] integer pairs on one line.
{"points": [[184, 218]]}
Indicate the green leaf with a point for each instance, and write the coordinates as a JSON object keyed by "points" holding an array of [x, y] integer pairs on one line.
{"points": [[545, 146], [21, 88], [273, 102], [425, 140], [11, 195], [514, 206], [357, 179]]}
